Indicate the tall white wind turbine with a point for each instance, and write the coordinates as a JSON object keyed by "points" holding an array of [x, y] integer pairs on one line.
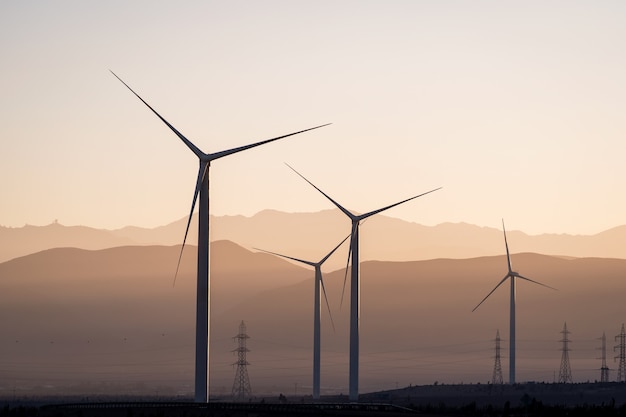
{"points": [[512, 275], [316, 311], [203, 279], [355, 273]]}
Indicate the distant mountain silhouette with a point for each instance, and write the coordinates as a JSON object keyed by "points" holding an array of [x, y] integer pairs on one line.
{"points": [[112, 316], [311, 235], [19, 241]]}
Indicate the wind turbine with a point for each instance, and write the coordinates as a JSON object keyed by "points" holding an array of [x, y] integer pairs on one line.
{"points": [[512, 275], [316, 311], [355, 273], [203, 279]]}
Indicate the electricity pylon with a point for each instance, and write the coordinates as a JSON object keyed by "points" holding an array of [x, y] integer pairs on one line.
{"points": [[497, 367], [604, 370], [241, 386], [565, 372], [621, 369]]}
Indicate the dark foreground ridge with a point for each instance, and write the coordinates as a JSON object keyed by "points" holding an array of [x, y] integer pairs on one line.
{"points": [[167, 409], [528, 399], [516, 395], [219, 409]]}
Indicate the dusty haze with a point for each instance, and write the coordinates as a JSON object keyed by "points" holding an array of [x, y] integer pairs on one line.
{"points": [[113, 317]]}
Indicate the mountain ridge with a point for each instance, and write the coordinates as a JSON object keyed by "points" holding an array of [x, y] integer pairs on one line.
{"points": [[310, 235]]}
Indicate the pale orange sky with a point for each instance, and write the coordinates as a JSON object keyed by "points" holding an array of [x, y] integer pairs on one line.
{"points": [[516, 109]]}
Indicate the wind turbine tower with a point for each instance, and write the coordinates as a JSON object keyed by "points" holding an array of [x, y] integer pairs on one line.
{"points": [[565, 371], [241, 386], [604, 370], [319, 282], [355, 302], [496, 379], [510, 275], [621, 369], [201, 192]]}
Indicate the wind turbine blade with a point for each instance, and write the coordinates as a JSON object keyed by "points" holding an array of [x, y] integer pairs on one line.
{"points": [[506, 244], [286, 257], [371, 213], [339, 206], [333, 251], [327, 304], [536, 282], [186, 141], [202, 171], [495, 288], [345, 278], [227, 152]]}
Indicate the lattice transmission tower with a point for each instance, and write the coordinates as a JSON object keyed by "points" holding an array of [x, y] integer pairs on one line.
{"points": [[497, 367], [604, 369], [565, 372], [241, 386], [621, 369]]}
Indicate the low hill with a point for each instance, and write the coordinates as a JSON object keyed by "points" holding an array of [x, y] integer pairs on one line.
{"points": [[112, 318]]}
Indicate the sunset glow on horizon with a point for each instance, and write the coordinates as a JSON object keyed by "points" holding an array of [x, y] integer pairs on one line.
{"points": [[516, 110]]}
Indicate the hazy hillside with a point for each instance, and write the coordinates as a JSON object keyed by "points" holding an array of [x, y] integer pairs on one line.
{"points": [[112, 316], [417, 326], [312, 235]]}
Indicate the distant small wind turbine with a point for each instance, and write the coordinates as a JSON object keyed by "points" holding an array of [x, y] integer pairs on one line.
{"points": [[203, 279], [316, 311], [511, 274], [355, 294]]}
